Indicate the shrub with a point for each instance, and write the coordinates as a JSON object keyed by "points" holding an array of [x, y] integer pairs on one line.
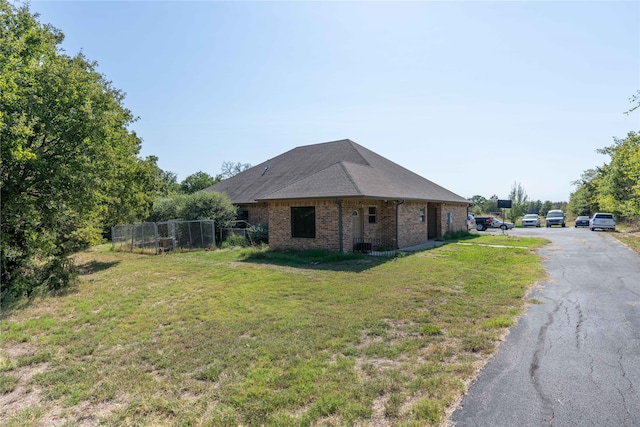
{"points": [[167, 208], [234, 240], [209, 205], [258, 234]]}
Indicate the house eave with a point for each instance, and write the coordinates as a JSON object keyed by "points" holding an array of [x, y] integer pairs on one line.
{"points": [[363, 196]]}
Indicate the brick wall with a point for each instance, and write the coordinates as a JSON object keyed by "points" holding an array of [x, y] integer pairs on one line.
{"points": [[459, 212], [412, 220], [326, 226], [412, 217], [258, 213]]}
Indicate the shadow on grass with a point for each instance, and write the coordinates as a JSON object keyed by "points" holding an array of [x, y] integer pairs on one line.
{"points": [[458, 236], [94, 267], [318, 260], [335, 261]]}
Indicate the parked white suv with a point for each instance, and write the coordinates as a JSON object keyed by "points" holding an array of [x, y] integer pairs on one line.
{"points": [[603, 221]]}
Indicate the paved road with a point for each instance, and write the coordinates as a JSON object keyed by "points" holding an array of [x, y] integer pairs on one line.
{"points": [[573, 360]]}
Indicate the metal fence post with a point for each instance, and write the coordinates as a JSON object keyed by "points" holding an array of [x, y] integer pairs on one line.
{"points": [[155, 234]]}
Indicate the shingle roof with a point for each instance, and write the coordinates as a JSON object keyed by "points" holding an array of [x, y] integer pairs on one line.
{"points": [[331, 169]]}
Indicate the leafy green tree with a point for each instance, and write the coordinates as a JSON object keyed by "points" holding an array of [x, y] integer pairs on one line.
{"points": [[491, 205], [196, 206], [546, 207], [68, 161], [167, 208], [166, 181], [197, 181], [584, 200], [209, 205], [477, 204], [618, 189], [519, 201], [534, 207]]}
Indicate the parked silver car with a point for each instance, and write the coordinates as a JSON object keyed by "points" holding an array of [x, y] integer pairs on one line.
{"points": [[496, 223], [531, 220], [471, 222], [603, 221]]}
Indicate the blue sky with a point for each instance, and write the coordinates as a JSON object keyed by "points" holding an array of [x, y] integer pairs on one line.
{"points": [[472, 95]]}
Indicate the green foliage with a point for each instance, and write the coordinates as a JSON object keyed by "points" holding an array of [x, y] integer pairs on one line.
{"points": [[619, 185], [258, 234], [8, 383], [69, 163], [197, 181], [482, 205], [519, 202], [166, 181], [456, 235], [534, 207], [200, 205], [234, 240], [614, 187], [167, 208], [584, 200], [209, 205], [546, 207]]}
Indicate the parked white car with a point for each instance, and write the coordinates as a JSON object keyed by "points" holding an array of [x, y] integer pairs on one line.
{"points": [[603, 221], [531, 220], [496, 223]]}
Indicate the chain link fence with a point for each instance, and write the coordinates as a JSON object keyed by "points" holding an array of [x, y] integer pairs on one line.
{"points": [[160, 237]]}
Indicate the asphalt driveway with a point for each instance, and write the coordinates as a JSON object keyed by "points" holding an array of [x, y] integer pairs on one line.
{"points": [[573, 359]]}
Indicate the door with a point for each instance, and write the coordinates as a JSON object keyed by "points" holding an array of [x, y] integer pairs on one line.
{"points": [[356, 217], [432, 222]]}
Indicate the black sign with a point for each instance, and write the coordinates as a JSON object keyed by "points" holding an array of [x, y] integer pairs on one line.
{"points": [[504, 204]]}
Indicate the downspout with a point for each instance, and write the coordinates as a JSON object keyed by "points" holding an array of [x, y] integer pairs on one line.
{"points": [[398, 203], [339, 203]]}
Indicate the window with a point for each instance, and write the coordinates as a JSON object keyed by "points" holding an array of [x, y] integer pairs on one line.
{"points": [[372, 215], [303, 222]]}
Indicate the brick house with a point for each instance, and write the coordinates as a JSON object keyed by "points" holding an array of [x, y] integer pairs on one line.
{"points": [[342, 197]]}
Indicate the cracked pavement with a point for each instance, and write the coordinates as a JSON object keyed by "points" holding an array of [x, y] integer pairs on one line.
{"points": [[574, 359]]}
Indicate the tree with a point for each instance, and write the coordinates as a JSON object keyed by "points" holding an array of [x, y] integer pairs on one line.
{"points": [[546, 207], [635, 100], [534, 207], [197, 181], [167, 181], [618, 188], [230, 169], [519, 201], [209, 205], [68, 161], [477, 204], [491, 205], [167, 208], [584, 201], [195, 206]]}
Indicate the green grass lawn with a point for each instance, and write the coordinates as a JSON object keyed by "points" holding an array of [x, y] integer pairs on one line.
{"points": [[249, 337]]}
